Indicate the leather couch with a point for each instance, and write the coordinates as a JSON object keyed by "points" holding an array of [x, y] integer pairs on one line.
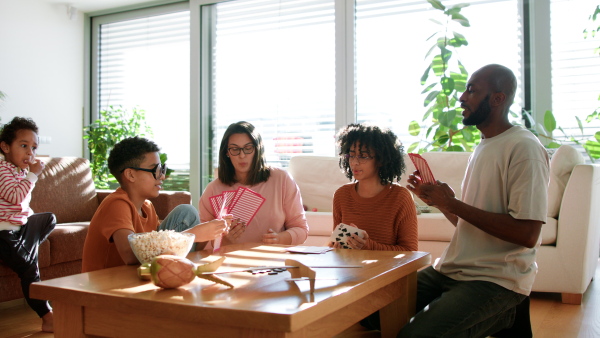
{"points": [[66, 189]]}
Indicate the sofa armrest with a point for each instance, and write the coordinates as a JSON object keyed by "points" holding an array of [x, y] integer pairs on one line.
{"points": [[102, 194], [164, 203], [569, 266], [168, 200]]}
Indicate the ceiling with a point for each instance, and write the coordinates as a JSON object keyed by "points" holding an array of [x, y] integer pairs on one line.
{"points": [[87, 6]]}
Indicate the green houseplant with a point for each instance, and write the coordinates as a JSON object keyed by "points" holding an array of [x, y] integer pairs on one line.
{"points": [[444, 80], [115, 124]]}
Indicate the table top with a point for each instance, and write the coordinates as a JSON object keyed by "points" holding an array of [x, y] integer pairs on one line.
{"points": [[264, 296]]}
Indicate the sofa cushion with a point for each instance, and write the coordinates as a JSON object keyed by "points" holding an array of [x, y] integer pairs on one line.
{"points": [[66, 188], [562, 164], [435, 227], [66, 242], [317, 190], [319, 223], [549, 230]]}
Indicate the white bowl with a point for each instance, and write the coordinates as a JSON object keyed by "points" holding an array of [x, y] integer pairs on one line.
{"points": [[148, 245]]}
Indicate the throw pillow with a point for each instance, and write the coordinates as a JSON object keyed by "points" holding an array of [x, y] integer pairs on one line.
{"points": [[562, 164]]}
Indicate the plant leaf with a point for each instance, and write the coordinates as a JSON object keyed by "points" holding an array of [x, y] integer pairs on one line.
{"points": [[412, 147], [428, 88], [425, 75], [430, 97], [414, 128], [447, 85], [437, 4], [549, 121]]}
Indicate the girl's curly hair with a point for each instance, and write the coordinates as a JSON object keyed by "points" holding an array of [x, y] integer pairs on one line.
{"points": [[389, 152], [9, 131]]}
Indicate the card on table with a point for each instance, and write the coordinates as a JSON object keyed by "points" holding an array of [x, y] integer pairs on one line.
{"points": [[342, 232], [423, 168]]}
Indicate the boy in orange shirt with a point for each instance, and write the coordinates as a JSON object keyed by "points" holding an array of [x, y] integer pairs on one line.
{"points": [[135, 163], [22, 231]]}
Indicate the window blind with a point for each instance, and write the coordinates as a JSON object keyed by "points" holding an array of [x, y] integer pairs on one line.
{"points": [[142, 61], [273, 65], [575, 66]]}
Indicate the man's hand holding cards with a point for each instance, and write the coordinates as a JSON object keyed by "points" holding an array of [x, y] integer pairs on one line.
{"points": [[424, 171]]}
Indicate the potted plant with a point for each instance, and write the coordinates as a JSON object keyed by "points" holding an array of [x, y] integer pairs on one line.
{"points": [[444, 80], [115, 124]]}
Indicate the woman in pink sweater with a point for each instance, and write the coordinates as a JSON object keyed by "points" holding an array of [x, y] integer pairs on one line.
{"points": [[374, 202], [242, 163]]}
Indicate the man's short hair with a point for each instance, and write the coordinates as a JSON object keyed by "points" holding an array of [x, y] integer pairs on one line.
{"points": [[130, 152]]}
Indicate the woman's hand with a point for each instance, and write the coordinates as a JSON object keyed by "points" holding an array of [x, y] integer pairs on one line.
{"points": [[236, 230], [271, 237]]}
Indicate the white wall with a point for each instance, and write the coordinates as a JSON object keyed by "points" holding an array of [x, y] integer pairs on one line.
{"points": [[41, 71]]}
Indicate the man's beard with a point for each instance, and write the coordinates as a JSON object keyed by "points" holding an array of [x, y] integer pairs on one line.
{"points": [[480, 114]]}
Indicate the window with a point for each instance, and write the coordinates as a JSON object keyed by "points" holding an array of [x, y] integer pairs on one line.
{"points": [[391, 43], [299, 70], [273, 65], [575, 65], [142, 60]]}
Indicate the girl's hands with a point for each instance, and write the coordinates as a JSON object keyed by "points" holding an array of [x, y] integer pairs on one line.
{"points": [[236, 229], [355, 242], [36, 166]]}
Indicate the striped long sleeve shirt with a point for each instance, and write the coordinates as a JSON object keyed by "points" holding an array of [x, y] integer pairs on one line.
{"points": [[15, 194]]}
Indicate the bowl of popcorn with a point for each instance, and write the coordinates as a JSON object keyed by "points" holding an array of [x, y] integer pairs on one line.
{"points": [[148, 245]]}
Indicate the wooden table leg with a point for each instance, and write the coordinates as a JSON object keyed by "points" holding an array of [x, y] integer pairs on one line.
{"points": [[68, 320], [396, 314]]}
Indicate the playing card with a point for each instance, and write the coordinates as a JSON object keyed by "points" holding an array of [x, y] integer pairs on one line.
{"points": [[245, 204], [341, 233], [423, 168]]}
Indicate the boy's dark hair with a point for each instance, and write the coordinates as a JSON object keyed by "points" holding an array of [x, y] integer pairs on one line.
{"points": [[259, 171], [389, 152], [130, 152], [9, 130]]}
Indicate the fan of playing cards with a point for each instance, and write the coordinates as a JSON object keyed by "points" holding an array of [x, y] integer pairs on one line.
{"points": [[423, 168], [242, 203]]}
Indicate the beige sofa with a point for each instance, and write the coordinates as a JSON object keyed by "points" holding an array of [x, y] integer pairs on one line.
{"points": [[569, 249]]}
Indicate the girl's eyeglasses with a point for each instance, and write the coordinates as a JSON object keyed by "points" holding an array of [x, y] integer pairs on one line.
{"points": [[361, 159]]}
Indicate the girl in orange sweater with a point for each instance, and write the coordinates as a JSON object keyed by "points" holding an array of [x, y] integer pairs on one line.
{"points": [[374, 202]]}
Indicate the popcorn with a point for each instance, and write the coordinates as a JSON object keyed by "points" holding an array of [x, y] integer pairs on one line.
{"points": [[148, 245]]}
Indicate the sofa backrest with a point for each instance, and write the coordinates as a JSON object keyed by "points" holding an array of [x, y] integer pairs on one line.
{"points": [[318, 177], [66, 188]]}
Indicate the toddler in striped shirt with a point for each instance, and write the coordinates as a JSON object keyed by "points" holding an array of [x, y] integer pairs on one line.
{"points": [[22, 231]]}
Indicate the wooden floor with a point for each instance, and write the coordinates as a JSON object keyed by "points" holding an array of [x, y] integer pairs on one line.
{"points": [[549, 317]]}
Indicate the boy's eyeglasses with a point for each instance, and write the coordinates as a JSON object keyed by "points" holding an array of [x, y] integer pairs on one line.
{"points": [[158, 171], [235, 151], [361, 159]]}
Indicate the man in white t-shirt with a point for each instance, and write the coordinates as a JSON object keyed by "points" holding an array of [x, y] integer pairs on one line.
{"points": [[489, 266]]}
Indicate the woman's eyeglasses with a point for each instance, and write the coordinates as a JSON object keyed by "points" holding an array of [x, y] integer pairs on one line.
{"points": [[361, 159], [235, 151], [158, 171]]}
